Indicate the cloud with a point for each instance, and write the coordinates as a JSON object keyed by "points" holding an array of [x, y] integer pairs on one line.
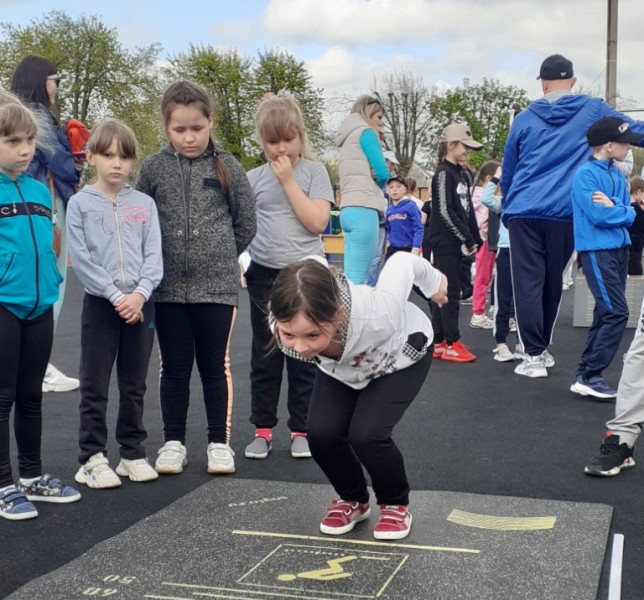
{"points": [[451, 39], [232, 31]]}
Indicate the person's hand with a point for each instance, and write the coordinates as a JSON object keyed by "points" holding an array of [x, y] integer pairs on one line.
{"points": [[282, 168], [440, 297], [497, 173], [130, 308], [415, 251], [469, 250], [603, 199]]}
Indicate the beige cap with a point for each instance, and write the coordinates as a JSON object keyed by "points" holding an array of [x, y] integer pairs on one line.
{"points": [[460, 133]]}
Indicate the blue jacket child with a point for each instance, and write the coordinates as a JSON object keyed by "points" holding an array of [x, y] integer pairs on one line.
{"points": [[602, 215], [402, 219]]}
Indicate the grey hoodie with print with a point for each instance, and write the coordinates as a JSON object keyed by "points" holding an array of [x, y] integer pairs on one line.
{"points": [[115, 246], [203, 229]]}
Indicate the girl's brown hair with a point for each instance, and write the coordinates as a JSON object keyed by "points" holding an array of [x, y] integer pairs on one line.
{"points": [[487, 170], [279, 118], [306, 287], [186, 93], [637, 184], [14, 116], [106, 132]]}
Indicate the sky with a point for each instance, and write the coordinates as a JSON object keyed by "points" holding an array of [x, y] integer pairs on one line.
{"points": [[346, 43]]}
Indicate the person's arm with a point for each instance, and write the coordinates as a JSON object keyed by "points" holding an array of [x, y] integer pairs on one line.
{"points": [[58, 159], [599, 209], [372, 149], [403, 270], [94, 278], [417, 227], [312, 212], [510, 159], [489, 197], [450, 216], [242, 206], [152, 268]]}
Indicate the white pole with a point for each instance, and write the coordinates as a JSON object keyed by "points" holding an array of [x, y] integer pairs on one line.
{"points": [[615, 581]]}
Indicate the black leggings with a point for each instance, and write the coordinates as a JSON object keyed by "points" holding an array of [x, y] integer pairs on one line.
{"points": [[349, 428], [187, 332], [24, 352]]}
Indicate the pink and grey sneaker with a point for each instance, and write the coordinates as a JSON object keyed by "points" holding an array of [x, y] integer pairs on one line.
{"points": [[342, 516], [393, 523]]}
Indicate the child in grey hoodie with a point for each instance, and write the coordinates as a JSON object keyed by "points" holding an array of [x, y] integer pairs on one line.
{"points": [[115, 246]]}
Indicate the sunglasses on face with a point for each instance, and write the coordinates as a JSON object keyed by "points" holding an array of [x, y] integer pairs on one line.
{"points": [[55, 79]]}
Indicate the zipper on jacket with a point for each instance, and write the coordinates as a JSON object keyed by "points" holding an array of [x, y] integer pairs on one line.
{"points": [[35, 243], [120, 243]]}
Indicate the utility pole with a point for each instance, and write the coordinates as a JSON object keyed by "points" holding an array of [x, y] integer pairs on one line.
{"points": [[611, 54]]}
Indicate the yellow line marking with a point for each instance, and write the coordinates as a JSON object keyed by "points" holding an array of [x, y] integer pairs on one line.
{"points": [[263, 592], [359, 542], [390, 578], [501, 523]]}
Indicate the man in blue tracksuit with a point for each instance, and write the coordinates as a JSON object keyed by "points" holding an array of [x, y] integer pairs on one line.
{"points": [[545, 147], [602, 216]]}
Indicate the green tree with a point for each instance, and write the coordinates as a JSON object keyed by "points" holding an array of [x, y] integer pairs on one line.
{"points": [[485, 107], [99, 76]]}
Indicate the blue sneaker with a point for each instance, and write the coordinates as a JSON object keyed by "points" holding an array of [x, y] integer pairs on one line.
{"points": [[47, 489], [15, 506], [593, 386]]}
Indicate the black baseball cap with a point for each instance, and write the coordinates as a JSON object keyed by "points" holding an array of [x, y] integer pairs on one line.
{"points": [[612, 129], [397, 178], [556, 67]]}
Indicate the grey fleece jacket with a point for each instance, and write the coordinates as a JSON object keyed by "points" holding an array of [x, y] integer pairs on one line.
{"points": [[115, 247], [203, 229]]}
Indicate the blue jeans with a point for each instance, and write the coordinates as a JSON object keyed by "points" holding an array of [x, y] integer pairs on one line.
{"points": [[360, 226]]}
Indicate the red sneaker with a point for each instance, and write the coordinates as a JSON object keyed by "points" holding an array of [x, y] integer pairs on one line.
{"points": [[342, 516], [394, 522], [458, 352], [439, 349]]}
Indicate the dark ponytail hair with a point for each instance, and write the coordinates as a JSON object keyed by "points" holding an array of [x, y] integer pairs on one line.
{"points": [[487, 170], [186, 93]]}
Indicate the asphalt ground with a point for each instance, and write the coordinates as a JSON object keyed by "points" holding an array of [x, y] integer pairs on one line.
{"points": [[476, 428]]}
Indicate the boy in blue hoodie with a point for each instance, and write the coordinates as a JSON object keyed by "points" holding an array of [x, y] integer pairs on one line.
{"points": [[602, 215], [403, 220]]}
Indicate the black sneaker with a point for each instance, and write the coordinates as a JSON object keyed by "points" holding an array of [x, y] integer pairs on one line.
{"points": [[611, 459]]}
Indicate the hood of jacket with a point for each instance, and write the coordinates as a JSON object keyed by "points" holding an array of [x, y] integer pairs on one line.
{"points": [[352, 123], [559, 112]]}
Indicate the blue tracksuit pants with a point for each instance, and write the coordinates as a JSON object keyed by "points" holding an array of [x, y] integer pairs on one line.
{"points": [[605, 272]]}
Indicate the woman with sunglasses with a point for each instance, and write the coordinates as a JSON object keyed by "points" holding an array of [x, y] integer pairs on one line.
{"points": [[35, 80], [363, 175]]}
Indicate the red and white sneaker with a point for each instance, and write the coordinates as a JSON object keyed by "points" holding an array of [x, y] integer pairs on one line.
{"points": [[439, 349], [342, 516], [394, 522], [458, 352]]}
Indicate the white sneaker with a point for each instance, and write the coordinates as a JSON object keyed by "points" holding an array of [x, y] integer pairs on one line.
{"points": [[97, 474], [548, 359], [532, 366], [220, 459], [503, 354], [55, 381], [481, 322], [138, 469], [172, 458]]}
